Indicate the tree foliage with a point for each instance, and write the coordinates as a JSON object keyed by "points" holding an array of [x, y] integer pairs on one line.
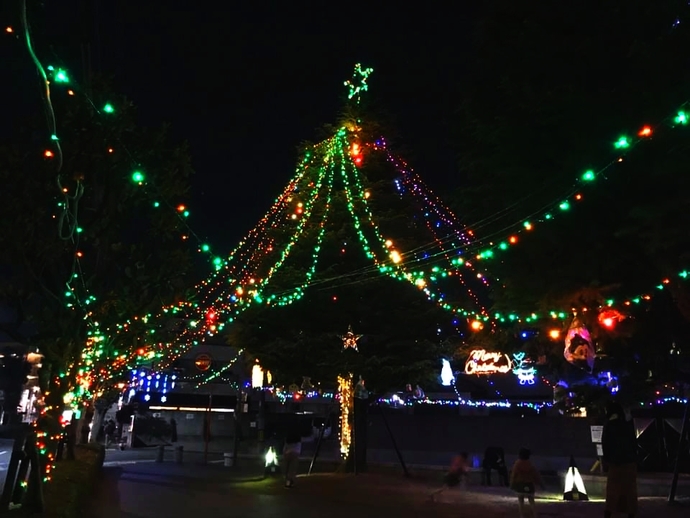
{"points": [[403, 334], [550, 88], [124, 251]]}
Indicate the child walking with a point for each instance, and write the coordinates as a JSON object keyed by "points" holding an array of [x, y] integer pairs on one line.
{"points": [[524, 478], [457, 474]]}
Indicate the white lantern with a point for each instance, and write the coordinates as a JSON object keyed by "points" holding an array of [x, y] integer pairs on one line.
{"points": [[257, 376]]}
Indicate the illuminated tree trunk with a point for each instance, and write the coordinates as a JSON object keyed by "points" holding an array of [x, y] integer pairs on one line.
{"points": [[345, 389], [353, 425]]}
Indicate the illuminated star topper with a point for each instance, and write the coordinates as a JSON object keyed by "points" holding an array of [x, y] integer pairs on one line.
{"points": [[350, 339], [358, 83]]}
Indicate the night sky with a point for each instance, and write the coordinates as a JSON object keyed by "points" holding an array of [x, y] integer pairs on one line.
{"points": [[246, 82]]}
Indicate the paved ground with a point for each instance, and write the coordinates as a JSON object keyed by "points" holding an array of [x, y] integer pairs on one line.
{"points": [[147, 490]]}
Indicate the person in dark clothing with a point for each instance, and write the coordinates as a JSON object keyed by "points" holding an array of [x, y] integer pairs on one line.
{"points": [[173, 430], [619, 444], [291, 453], [494, 458], [109, 432]]}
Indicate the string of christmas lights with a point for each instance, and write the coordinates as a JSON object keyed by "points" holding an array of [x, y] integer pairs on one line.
{"points": [[396, 401], [77, 295], [560, 314], [449, 246], [243, 279], [246, 266], [487, 249], [423, 279], [623, 145], [219, 373], [336, 159], [346, 392], [388, 263]]}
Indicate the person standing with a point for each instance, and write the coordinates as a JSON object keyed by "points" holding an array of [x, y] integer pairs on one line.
{"points": [[109, 431], [494, 458], [173, 430], [291, 453], [619, 444], [524, 478]]}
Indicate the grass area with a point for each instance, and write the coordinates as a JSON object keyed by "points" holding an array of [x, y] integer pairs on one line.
{"points": [[73, 483]]}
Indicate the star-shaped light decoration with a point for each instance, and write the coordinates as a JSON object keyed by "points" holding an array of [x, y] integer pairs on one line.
{"points": [[350, 339], [358, 83]]}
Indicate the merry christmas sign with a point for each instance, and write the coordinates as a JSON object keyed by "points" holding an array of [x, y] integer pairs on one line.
{"points": [[483, 362]]}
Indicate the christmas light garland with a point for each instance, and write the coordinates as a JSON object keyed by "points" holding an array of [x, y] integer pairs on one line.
{"points": [[77, 295], [249, 251], [346, 391], [506, 404], [387, 260]]}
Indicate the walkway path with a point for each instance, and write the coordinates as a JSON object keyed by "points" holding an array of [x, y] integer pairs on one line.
{"points": [[148, 490]]}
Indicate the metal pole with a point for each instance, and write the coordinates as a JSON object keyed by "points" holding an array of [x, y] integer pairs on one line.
{"points": [[35, 492], [354, 438], [676, 468], [318, 446], [24, 465], [236, 439], [207, 434], [395, 444]]}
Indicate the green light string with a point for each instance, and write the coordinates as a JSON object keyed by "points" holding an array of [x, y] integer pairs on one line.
{"points": [[286, 299], [255, 240], [419, 277], [679, 119], [215, 375], [397, 271], [77, 293], [68, 229], [412, 183], [560, 314], [350, 200], [624, 145], [192, 338], [435, 273], [297, 234], [237, 259], [238, 262], [358, 84], [309, 206]]}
